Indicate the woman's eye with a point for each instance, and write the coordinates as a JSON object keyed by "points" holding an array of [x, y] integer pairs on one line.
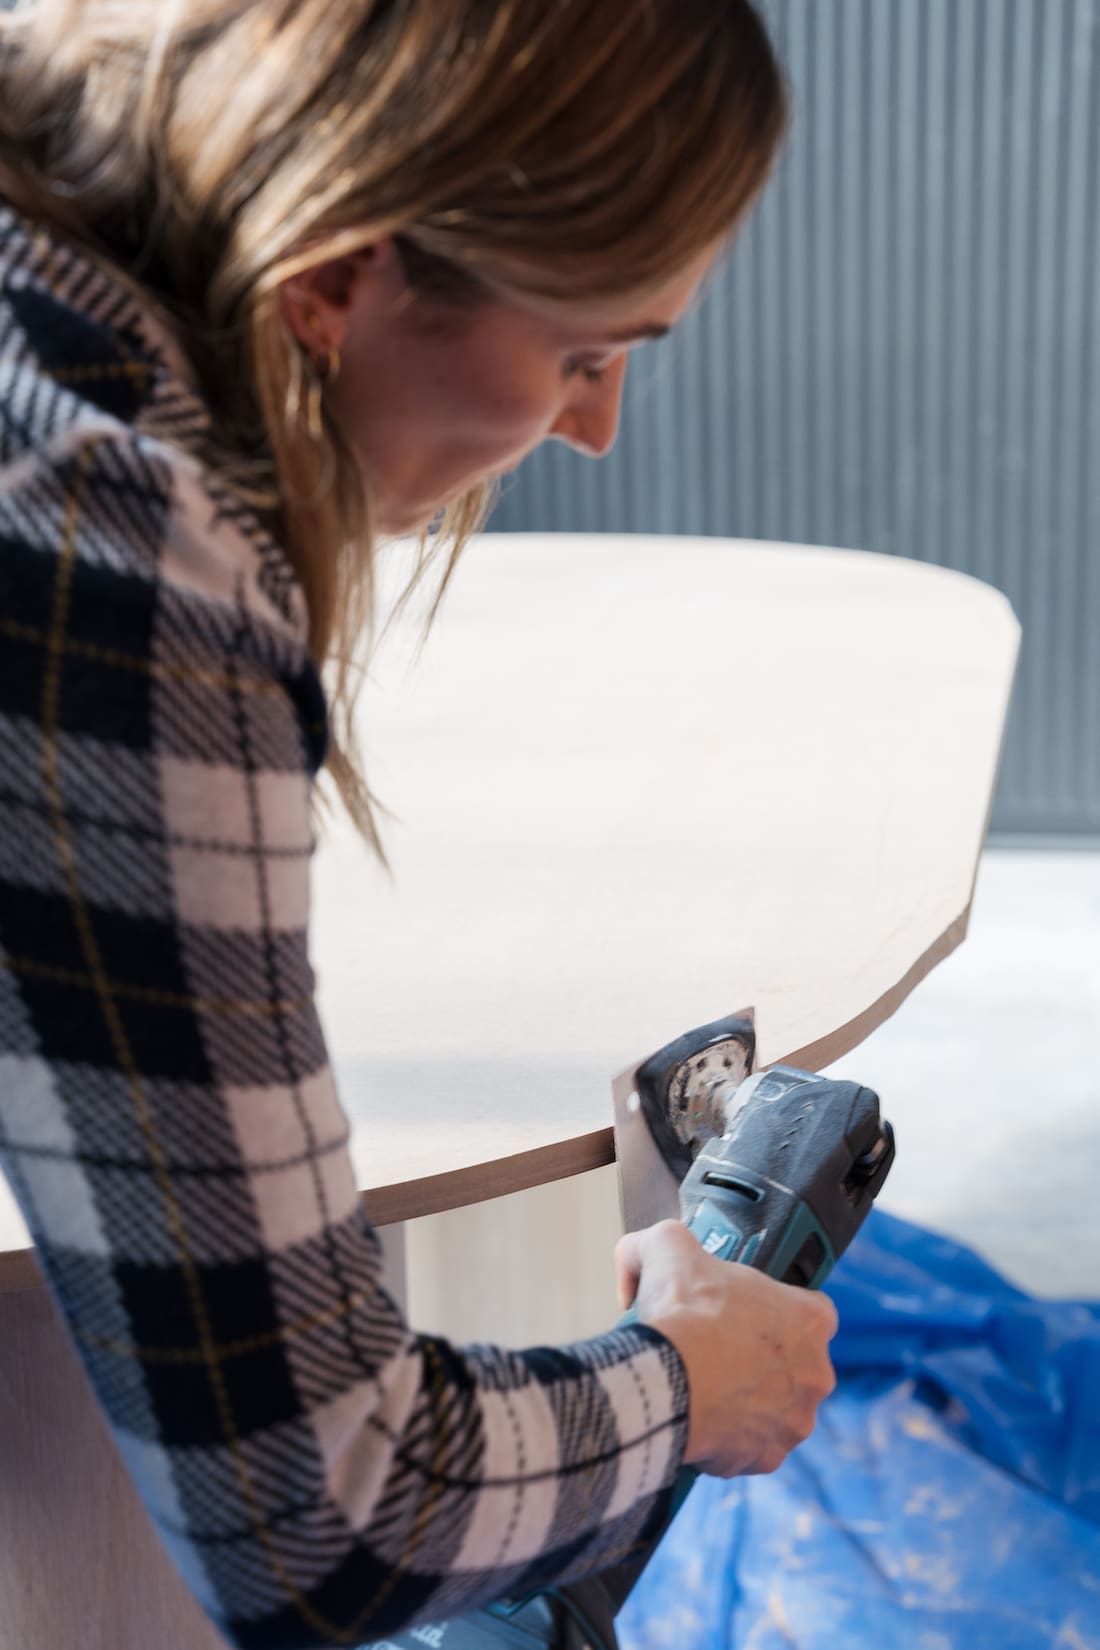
{"points": [[592, 374]]}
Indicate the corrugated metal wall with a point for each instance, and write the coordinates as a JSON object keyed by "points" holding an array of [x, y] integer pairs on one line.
{"points": [[904, 352]]}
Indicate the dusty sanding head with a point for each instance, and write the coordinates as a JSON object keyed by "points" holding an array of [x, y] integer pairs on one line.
{"points": [[669, 1105]]}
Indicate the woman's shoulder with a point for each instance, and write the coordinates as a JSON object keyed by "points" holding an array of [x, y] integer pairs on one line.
{"points": [[102, 435]]}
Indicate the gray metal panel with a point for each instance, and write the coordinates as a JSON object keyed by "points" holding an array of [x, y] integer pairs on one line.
{"points": [[903, 353]]}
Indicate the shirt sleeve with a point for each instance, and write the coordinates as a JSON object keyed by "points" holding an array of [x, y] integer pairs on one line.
{"points": [[319, 1473]]}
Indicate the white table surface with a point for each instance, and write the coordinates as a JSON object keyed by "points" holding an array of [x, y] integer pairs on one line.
{"points": [[641, 782]]}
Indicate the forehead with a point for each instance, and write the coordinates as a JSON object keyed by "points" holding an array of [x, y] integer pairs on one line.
{"points": [[666, 304], [631, 316]]}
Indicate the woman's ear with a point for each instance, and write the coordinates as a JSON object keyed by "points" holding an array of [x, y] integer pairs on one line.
{"points": [[319, 302]]}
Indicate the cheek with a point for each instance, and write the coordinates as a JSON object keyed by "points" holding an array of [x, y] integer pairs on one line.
{"points": [[455, 397], [431, 415], [497, 397]]}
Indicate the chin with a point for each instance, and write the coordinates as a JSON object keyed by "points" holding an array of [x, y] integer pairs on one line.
{"points": [[407, 522]]}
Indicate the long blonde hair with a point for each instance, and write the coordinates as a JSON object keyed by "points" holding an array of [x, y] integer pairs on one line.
{"points": [[210, 149]]}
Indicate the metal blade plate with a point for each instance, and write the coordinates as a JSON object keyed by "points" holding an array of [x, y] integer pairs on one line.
{"points": [[648, 1191]]}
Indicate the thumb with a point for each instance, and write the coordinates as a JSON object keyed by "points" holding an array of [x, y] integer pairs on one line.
{"points": [[655, 1249], [628, 1268]]}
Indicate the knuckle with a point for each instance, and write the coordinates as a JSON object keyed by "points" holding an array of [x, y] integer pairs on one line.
{"points": [[827, 1313], [802, 1418], [803, 1426], [820, 1381]]}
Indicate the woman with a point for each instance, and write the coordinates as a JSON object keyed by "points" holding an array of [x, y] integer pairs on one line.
{"points": [[279, 278]]}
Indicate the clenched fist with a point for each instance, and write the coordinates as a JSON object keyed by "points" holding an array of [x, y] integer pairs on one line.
{"points": [[755, 1351]]}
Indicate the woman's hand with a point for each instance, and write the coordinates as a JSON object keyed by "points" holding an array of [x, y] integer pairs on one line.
{"points": [[756, 1351]]}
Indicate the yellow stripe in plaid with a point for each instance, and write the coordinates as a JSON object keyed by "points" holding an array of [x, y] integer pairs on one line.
{"points": [[225, 1007], [101, 985], [262, 687]]}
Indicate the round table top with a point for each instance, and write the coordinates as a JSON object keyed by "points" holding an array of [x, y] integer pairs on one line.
{"points": [[638, 783]]}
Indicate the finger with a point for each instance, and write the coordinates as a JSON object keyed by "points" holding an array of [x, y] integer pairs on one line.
{"points": [[831, 1315], [628, 1270]]}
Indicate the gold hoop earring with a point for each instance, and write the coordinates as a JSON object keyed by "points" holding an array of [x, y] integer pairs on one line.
{"points": [[319, 371], [327, 366], [315, 390], [320, 367]]}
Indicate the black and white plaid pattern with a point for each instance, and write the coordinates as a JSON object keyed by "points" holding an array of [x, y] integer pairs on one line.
{"points": [[168, 1122]]}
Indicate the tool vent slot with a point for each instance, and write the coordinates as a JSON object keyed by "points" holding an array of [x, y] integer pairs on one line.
{"points": [[730, 1183], [804, 1267]]}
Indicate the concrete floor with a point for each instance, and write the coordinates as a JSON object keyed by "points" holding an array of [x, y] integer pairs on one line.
{"points": [[990, 1073]]}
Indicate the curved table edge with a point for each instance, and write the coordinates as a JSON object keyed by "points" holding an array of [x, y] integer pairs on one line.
{"points": [[561, 1159]]}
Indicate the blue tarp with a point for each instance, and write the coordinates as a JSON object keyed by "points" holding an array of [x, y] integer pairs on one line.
{"points": [[949, 1498]]}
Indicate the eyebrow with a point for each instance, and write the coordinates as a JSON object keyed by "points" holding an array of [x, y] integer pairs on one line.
{"points": [[647, 329]]}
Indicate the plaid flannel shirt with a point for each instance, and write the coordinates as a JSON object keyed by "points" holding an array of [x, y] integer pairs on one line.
{"points": [[319, 1473]]}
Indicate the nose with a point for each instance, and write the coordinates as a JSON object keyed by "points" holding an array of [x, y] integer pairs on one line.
{"points": [[590, 423]]}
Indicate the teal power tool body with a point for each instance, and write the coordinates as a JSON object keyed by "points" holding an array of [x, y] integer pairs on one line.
{"points": [[777, 1170]]}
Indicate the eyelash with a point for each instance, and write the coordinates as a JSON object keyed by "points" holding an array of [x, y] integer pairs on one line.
{"points": [[593, 375]]}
